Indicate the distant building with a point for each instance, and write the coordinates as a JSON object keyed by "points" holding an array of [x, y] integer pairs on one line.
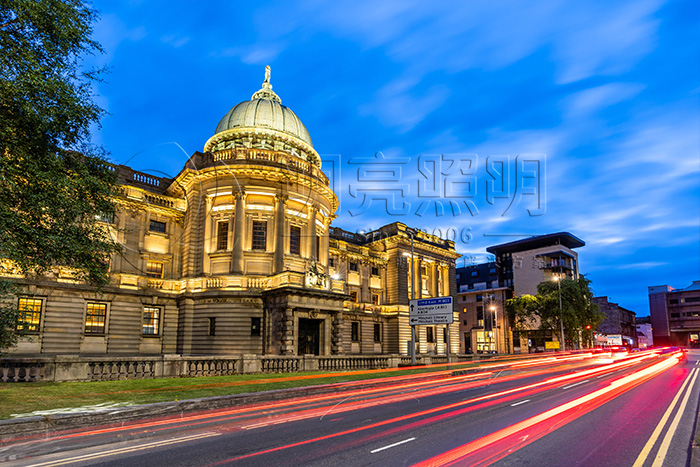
{"points": [[675, 315], [518, 269], [618, 320], [645, 338]]}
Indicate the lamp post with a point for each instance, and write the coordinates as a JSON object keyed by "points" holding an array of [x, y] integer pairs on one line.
{"points": [[413, 297], [495, 326], [561, 313]]}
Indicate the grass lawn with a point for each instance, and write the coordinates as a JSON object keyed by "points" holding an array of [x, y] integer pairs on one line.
{"points": [[23, 398]]}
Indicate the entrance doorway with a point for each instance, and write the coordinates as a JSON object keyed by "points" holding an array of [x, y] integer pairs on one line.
{"points": [[309, 336]]}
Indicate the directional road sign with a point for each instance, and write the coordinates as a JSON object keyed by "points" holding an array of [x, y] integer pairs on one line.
{"points": [[429, 311]]}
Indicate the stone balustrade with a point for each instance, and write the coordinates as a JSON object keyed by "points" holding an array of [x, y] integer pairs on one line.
{"points": [[78, 368]]}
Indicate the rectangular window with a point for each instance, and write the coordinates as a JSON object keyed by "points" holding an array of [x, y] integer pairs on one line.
{"points": [[254, 326], [353, 296], [430, 334], [29, 315], [375, 299], [294, 240], [479, 298], [675, 315], [222, 235], [331, 262], [353, 267], [673, 301], [377, 332], [692, 299], [375, 271], [444, 335], [212, 326], [318, 247], [107, 217], [156, 226], [465, 322], [151, 321], [95, 318], [259, 235], [154, 269], [475, 273], [355, 331]]}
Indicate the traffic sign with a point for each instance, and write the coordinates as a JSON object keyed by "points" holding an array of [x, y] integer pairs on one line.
{"points": [[429, 311]]}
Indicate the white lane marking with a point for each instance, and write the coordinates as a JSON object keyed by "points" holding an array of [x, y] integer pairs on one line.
{"points": [[663, 450], [392, 445], [641, 459], [112, 452], [575, 384], [600, 376], [521, 402]]}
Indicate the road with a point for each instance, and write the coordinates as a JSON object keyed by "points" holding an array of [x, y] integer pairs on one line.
{"points": [[589, 410]]}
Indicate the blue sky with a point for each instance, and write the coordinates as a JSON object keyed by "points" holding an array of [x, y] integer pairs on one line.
{"points": [[563, 116]]}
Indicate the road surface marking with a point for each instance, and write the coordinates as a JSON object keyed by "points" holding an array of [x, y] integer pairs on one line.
{"points": [[601, 376], [521, 402], [657, 431], [663, 450], [575, 384], [112, 452], [392, 445]]}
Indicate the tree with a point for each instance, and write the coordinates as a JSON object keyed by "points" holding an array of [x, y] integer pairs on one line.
{"points": [[577, 309], [53, 182]]}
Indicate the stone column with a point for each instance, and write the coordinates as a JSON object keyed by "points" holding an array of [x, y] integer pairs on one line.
{"points": [[311, 233], [288, 340], [238, 234], [418, 277], [279, 233], [325, 243], [434, 279]]}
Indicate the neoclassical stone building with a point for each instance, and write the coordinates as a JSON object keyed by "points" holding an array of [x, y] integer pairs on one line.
{"points": [[236, 255]]}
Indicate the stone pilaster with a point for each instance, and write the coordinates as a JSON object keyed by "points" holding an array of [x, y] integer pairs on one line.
{"points": [[238, 234]]}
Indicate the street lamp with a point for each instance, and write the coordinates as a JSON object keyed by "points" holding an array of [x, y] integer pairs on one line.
{"points": [[561, 313], [495, 326]]}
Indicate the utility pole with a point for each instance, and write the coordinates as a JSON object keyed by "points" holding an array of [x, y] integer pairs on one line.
{"points": [[561, 314]]}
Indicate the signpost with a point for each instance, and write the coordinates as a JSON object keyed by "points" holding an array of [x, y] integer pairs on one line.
{"points": [[429, 311]]}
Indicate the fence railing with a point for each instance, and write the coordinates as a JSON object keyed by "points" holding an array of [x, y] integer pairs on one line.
{"points": [[111, 368]]}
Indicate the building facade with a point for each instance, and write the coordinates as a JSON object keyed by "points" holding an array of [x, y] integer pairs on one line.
{"points": [[675, 315], [518, 269], [236, 255], [618, 321]]}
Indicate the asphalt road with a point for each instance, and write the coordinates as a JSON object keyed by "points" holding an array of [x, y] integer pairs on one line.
{"points": [[637, 411]]}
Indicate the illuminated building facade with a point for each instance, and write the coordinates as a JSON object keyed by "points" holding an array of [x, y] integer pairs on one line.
{"points": [[675, 315], [519, 267], [236, 255]]}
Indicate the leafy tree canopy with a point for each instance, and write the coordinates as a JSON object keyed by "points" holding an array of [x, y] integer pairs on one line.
{"points": [[53, 181], [542, 312]]}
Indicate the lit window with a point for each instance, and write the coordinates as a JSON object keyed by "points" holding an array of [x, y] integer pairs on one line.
{"points": [[154, 269], [259, 235], [294, 240], [222, 235], [156, 226], [151, 321], [355, 331], [377, 332], [29, 315], [95, 316]]}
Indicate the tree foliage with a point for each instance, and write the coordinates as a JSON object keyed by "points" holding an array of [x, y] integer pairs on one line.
{"points": [[53, 181], [542, 310]]}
